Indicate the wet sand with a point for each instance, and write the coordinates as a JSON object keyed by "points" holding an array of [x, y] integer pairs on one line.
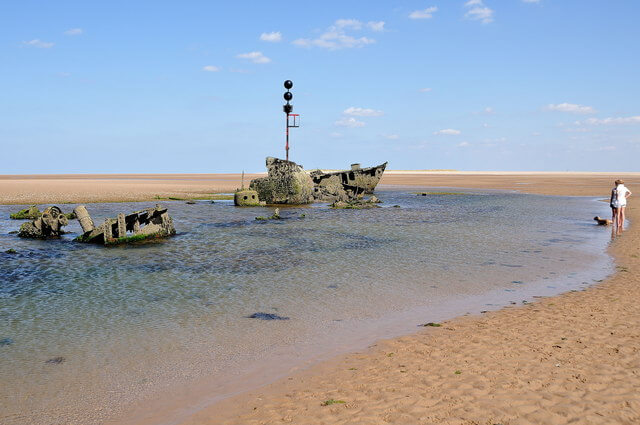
{"points": [[574, 358]]}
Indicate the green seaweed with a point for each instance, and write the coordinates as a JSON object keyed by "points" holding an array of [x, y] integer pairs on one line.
{"points": [[458, 372], [11, 251], [332, 401], [432, 324], [30, 213]]}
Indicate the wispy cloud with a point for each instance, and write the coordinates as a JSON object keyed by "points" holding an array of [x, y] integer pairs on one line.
{"points": [[362, 112], [349, 122], [391, 136], [531, 1], [612, 120], [272, 37], [336, 37], [571, 107], [211, 68], [448, 132], [423, 13], [377, 26], [38, 43], [478, 11], [464, 144], [425, 90], [255, 57], [74, 31]]}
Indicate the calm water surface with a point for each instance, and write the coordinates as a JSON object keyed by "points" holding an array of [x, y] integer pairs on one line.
{"points": [[86, 332]]}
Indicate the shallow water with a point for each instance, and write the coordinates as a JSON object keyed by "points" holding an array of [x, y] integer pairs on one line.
{"points": [[87, 331]]}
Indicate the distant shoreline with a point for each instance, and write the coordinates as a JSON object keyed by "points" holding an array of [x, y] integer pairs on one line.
{"points": [[94, 188]]}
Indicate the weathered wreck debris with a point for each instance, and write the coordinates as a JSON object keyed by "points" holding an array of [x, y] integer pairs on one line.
{"points": [[33, 212], [30, 213], [137, 226], [48, 225], [347, 184], [246, 198], [275, 216], [286, 183], [357, 204]]}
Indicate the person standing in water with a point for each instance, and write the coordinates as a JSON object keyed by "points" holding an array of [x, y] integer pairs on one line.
{"points": [[618, 202]]}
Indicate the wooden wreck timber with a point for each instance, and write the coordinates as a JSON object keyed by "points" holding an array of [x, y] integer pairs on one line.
{"points": [[288, 183], [150, 223]]}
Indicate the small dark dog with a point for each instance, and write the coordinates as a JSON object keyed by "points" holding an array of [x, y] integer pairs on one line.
{"points": [[603, 221]]}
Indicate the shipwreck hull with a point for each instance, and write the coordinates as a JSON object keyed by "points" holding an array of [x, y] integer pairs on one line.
{"points": [[346, 184]]}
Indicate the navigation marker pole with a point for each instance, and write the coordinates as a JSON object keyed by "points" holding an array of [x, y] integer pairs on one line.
{"points": [[288, 108]]}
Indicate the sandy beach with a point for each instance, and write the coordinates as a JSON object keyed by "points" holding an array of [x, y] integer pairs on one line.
{"points": [[573, 358]]}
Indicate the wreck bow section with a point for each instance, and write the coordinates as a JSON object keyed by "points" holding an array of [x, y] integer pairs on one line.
{"points": [[149, 223]]}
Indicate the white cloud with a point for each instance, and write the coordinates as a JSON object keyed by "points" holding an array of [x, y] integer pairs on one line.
{"points": [[391, 136], [531, 1], [348, 23], [377, 26], [272, 37], [255, 57], [425, 90], [606, 148], [448, 132], [464, 144], [362, 112], [211, 68], [74, 31], [571, 107], [485, 125], [349, 122], [424, 13], [478, 11], [335, 37], [336, 135], [37, 43], [612, 120]]}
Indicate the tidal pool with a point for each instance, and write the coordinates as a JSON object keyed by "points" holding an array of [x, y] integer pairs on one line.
{"points": [[88, 333]]}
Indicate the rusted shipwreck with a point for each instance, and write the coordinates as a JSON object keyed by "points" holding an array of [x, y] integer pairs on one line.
{"points": [[288, 183], [150, 223], [346, 184], [47, 225]]}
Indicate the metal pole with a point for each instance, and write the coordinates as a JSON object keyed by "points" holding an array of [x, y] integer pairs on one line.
{"points": [[287, 145]]}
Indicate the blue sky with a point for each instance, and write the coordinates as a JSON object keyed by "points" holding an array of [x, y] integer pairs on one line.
{"points": [[196, 86]]}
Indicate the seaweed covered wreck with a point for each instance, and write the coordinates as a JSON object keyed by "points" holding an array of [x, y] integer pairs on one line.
{"points": [[288, 183], [150, 223]]}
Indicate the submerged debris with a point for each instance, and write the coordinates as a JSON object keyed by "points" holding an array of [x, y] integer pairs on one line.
{"points": [[47, 226], [150, 223], [266, 316], [56, 360], [275, 216], [357, 204]]}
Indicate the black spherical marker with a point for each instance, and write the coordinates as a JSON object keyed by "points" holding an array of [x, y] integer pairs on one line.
{"points": [[288, 96], [288, 84]]}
